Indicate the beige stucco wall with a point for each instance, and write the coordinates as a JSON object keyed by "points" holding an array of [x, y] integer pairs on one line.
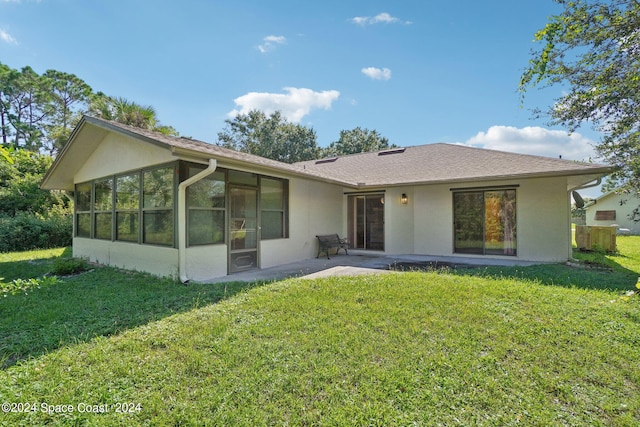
{"points": [[399, 220], [314, 208], [611, 202], [157, 260], [543, 232], [206, 262], [118, 153]]}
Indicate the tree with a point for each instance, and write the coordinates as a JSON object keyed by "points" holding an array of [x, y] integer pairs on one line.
{"points": [[68, 99], [128, 112], [20, 185], [592, 50], [273, 137], [39, 112], [357, 141], [24, 99]]}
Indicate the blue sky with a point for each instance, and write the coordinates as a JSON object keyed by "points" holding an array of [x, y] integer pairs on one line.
{"points": [[416, 71]]}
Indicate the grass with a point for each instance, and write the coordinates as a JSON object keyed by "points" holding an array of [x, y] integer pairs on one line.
{"points": [[468, 347]]}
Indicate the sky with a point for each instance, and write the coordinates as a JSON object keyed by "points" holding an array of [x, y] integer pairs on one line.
{"points": [[416, 71]]}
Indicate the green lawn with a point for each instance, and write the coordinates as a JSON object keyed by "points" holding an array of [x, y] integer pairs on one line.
{"points": [[550, 345]]}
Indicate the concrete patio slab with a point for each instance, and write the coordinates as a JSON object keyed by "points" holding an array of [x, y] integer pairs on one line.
{"points": [[357, 264]]}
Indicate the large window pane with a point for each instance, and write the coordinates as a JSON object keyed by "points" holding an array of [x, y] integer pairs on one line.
{"points": [[158, 227], [500, 222], [83, 197], [158, 188], [272, 224], [83, 225], [103, 226], [208, 192], [103, 195], [128, 192], [127, 226], [271, 194], [246, 178], [468, 214], [206, 227]]}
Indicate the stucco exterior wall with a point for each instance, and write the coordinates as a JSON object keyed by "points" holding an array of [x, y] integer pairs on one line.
{"points": [[156, 260], [314, 208], [118, 153], [206, 262], [611, 202], [399, 221], [543, 224]]}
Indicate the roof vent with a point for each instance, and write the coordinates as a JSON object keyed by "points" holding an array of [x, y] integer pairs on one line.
{"points": [[392, 151], [329, 160]]}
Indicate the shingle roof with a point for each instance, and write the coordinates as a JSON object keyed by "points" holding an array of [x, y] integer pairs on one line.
{"points": [[442, 162], [431, 163]]}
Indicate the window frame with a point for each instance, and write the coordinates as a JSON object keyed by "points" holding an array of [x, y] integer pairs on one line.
{"points": [[118, 210], [189, 209], [508, 249], [284, 210], [84, 212], [149, 209], [140, 211], [96, 210]]}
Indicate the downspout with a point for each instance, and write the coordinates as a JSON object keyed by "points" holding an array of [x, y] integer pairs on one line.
{"points": [[182, 217]]}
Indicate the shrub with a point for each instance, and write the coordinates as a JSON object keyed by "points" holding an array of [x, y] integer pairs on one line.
{"points": [[27, 231], [67, 266]]}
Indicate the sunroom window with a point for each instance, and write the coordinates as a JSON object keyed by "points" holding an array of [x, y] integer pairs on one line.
{"points": [[206, 209], [103, 203], [157, 209], [273, 208], [128, 207]]}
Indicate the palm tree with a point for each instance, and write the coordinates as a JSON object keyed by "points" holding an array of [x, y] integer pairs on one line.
{"points": [[128, 112]]}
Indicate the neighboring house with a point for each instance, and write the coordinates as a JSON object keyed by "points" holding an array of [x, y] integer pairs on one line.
{"points": [[614, 209], [175, 206]]}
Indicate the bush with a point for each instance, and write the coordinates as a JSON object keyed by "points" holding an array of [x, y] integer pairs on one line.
{"points": [[67, 266], [27, 231]]}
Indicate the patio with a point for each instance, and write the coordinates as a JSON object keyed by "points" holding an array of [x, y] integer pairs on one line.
{"points": [[360, 263]]}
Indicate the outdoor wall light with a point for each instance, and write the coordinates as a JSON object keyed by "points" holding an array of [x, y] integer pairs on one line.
{"points": [[403, 199]]}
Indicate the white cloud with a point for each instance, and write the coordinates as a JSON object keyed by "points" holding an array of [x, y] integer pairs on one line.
{"points": [[294, 105], [7, 38], [535, 140], [381, 18], [270, 43], [377, 73]]}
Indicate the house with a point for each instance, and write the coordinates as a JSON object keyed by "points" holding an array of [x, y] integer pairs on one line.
{"points": [[180, 207], [614, 208]]}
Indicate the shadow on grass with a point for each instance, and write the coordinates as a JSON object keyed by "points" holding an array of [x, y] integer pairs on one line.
{"points": [[100, 302], [595, 271], [11, 270]]}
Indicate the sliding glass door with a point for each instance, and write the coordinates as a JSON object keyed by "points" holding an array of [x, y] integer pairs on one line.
{"points": [[485, 222], [366, 221]]}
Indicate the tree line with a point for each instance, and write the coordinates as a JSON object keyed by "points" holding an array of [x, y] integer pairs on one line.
{"points": [[38, 112]]}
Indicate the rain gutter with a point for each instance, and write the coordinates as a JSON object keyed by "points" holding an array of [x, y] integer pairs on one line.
{"points": [[182, 217]]}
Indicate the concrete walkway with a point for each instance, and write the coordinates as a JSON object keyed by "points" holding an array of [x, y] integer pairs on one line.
{"points": [[357, 264]]}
